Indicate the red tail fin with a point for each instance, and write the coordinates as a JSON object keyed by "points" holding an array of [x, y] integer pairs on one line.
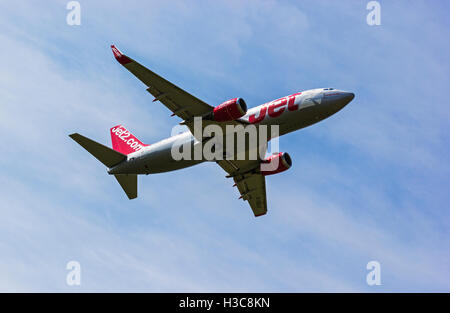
{"points": [[123, 141]]}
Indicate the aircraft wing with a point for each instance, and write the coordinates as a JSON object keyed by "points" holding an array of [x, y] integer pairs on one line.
{"points": [[249, 181], [246, 175], [180, 102]]}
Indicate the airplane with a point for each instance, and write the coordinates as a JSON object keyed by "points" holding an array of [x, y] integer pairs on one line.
{"points": [[129, 157]]}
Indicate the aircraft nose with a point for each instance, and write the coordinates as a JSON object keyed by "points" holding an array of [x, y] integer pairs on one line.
{"points": [[348, 96], [344, 98], [335, 101]]}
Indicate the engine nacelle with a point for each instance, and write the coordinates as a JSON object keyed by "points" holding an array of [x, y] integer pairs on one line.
{"points": [[230, 110], [276, 163]]}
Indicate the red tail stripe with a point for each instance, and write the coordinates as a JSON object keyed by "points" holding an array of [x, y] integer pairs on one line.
{"points": [[123, 141]]}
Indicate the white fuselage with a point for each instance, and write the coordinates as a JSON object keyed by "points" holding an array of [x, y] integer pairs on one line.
{"points": [[290, 113]]}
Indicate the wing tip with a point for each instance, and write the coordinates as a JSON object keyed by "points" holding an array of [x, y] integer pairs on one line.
{"points": [[120, 57], [260, 214]]}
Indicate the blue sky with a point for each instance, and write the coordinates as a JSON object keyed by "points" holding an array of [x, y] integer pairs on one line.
{"points": [[369, 183]]}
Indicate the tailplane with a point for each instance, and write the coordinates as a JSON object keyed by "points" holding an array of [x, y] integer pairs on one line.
{"points": [[123, 141], [109, 158], [128, 182]]}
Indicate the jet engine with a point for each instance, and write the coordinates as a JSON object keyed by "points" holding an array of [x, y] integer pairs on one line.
{"points": [[230, 110], [276, 163]]}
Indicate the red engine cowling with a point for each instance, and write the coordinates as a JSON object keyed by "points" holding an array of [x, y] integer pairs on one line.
{"points": [[276, 163], [230, 110]]}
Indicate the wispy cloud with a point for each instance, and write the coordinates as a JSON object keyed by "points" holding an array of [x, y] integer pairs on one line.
{"points": [[370, 183]]}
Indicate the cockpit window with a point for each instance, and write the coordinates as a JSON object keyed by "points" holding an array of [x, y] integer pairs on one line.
{"points": [[328, 88]]}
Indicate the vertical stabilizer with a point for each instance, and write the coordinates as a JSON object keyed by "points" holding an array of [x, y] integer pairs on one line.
{"points": [[123, 141]]}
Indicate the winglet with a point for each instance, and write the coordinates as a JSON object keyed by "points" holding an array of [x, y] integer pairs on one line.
{"points": [[120, 57]]}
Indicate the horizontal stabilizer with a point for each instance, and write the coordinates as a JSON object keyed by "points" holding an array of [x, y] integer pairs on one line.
{"points": [[128, 182], [107, 156]]}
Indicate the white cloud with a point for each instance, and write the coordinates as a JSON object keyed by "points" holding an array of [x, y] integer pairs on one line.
{"points": [[345, 201]]}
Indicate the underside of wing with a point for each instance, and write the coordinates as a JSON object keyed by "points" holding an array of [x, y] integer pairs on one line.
{"points": [[180, 102], [249, 181]]}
